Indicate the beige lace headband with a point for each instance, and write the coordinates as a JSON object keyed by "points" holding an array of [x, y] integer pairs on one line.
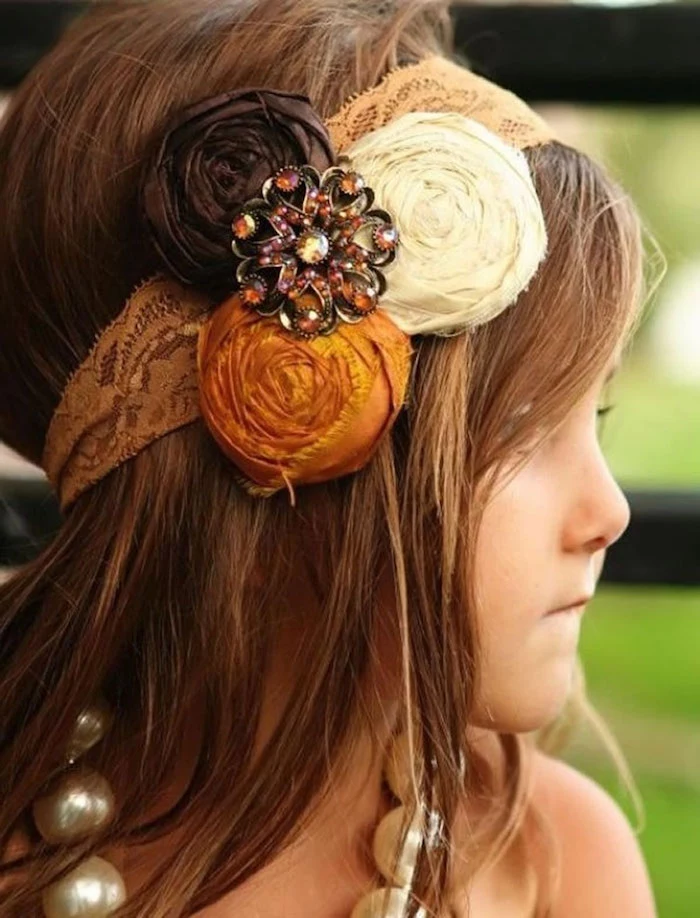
{"points": [[439, 85], [141, 379]]}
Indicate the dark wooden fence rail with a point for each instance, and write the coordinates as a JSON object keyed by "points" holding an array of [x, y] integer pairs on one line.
{"points": [[646, 55], [661, 546], [643, 55]]}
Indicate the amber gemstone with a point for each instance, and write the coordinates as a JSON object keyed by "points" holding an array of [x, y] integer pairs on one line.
{"points": [[287, 180], [313, 246], [309, 316], [310, 323], [352, 183], [244, 226], [307, 302], [254, 291], [364, 299]]}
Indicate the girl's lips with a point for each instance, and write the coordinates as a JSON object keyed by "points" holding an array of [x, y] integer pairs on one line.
{"points": [[576, 606]]}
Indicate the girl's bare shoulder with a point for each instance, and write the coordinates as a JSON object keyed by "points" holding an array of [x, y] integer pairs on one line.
{"points": [[603, 872]]}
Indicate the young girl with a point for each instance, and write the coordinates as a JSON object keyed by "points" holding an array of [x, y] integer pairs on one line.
{"points": [[309, 328]]}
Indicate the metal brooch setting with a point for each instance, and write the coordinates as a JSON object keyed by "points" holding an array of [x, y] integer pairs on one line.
{"points": [[311, 249]]}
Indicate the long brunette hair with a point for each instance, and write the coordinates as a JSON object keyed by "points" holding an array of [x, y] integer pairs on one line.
{"points": [[151, 593]]}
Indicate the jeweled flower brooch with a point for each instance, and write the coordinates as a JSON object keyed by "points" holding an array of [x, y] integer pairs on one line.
{"points": [[310, 249]]}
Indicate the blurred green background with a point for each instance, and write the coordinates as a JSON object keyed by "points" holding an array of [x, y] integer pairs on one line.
{"points": [[641, 646]]}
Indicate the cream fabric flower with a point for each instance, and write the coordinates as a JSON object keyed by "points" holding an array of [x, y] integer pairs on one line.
{"points": [[471, 225]]}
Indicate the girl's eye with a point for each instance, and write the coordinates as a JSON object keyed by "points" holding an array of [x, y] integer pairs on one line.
{"points": [[602, 413]]}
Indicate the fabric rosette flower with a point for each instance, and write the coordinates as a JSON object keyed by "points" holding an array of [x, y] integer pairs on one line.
{"points": [[216, 155], [290, 410], [472, 228]]}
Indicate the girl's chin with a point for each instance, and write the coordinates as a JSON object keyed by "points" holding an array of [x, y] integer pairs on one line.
{"points": [[532, 705]]}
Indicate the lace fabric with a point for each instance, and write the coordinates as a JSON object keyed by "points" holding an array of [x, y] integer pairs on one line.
{"points": [[138, 383], [436, 84]]}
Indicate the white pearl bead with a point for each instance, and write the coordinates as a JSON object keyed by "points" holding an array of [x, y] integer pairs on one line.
{"points": [[372, 905], [90, 726], [94, 889], [76, 804], [387, 837]]}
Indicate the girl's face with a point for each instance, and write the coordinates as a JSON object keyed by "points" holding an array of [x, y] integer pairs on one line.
{"points": [[541, 546]]}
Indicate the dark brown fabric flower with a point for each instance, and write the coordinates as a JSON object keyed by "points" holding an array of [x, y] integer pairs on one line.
{"points": [[215, 156]]}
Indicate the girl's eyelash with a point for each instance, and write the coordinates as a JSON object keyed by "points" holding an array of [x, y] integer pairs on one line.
{"points": [[601, 414]]}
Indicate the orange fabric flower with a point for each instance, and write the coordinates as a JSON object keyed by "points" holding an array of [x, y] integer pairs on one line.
{"points": [[287, 410]]}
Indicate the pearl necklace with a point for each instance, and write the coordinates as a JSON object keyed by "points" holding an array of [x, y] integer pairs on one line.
{"points": [[80, 801], [395, 845]]}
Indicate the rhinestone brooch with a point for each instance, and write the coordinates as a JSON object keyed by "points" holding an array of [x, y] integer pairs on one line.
{"points": [[310, 249]]}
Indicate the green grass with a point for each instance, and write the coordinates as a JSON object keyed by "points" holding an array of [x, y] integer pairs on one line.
{"points": [[669, 843], [641, 650]]}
